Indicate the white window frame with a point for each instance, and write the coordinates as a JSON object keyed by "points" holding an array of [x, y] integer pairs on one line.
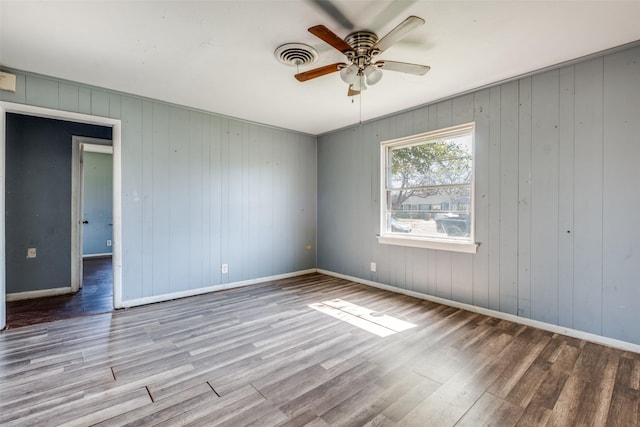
{"points": [[386, 237]]}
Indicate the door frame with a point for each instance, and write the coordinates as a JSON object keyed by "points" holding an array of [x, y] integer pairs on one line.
{"points": [[116, 126], [79, 145]]}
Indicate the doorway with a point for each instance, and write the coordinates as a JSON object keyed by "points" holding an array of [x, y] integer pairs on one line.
{"points": [[91, 227], [95, 297], [115, 125], [92, 204]]}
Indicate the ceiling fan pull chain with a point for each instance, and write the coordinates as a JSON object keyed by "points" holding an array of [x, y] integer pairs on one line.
{"points": [[360, 121]]}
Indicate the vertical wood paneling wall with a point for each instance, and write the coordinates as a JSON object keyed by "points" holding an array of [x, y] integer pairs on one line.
{"points": [[198, 190], [557, 199]]}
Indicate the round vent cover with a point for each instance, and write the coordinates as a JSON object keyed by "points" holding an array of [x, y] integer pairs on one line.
{"points": [[296, 54]]}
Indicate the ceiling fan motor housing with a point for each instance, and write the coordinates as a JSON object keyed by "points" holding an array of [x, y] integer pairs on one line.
{"points": [[362, 42]]}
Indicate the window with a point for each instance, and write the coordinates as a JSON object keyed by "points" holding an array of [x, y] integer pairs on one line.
{"points": [[427, 190]]}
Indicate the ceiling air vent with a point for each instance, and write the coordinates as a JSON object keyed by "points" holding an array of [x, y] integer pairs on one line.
{"points": [[296, 54]]}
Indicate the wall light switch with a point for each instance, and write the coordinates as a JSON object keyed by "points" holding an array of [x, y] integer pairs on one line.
{"points": [[31, 252]]}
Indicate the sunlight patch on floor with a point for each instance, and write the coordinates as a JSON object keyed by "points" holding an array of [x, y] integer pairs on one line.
{"points": [[362, 317]]}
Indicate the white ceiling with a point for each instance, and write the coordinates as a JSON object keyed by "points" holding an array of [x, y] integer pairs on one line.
{"points": [[218, 55]]}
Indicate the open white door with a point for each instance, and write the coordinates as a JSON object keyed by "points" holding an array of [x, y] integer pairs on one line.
{"points": [[81, 144]]}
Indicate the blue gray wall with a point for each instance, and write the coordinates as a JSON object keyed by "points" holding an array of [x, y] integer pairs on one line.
{"points": [[38, 200], [97, 206], [556, 199], [198, 190], [556, 196]]}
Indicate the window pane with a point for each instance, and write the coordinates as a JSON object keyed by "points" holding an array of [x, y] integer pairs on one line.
{"points": [[440, 162], [441, 212], [453, 198]]}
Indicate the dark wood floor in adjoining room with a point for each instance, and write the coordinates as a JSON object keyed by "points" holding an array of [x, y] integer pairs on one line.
{"points": [[271, 354], [95, 296]]}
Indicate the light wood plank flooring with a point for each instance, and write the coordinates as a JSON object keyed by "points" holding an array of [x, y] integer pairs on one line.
{"points": [[261, 355]]}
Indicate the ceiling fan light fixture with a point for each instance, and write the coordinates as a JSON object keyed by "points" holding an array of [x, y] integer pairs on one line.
{"points": [[349, 74], [359, 85], [373, 74]]}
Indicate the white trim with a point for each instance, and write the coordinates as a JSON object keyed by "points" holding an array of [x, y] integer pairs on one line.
{"points": [[453, 246], [223, 286], [76, 213], [104, 255], [95, 148], [587, 336], [116, 141], [49, 113], [3, 239], [448, 132], [116, 248], [19, 296], [388, 238], [80, 145]]}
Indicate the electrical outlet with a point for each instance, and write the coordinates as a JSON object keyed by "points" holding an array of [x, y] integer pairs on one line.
{"points": [[108, 242], [225, 268], [31, 252], [374, 267], [308, 247]]}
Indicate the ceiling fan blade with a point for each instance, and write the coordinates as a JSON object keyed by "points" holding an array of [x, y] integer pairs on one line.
{"points": [[330, 38], [404, 67], [395, 8], [318, 72], [352, 92], [330, 9], [398, 32]]}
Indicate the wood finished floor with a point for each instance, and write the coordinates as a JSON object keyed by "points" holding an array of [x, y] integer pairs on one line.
{"points": [[260, 355], [95, 296]]}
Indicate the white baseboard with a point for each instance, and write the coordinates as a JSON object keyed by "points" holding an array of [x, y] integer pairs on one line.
{"points": [[587, 336], [18, 296], [104, 255], [200, 291]]}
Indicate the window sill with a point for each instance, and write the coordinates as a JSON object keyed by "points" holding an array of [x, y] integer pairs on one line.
{"points": [[466, 247]]}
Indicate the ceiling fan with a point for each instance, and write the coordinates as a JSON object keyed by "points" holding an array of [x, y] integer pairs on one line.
{"points": [[361, 49]]}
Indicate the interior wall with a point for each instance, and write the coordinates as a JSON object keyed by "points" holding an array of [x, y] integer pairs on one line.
{"points": [[555, 196], [198, 190], [38, 200], [97, 205]]}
